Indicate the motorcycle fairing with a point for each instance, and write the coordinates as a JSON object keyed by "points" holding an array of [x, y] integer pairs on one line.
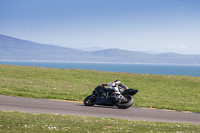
{"points": [[102, 98]]}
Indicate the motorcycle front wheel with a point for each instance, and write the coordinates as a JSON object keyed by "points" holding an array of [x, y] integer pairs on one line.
{"points": [[126, 103], [90, 100]]}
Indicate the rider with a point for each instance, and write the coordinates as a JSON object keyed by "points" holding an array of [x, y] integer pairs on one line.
{"points": [[116, 86]]}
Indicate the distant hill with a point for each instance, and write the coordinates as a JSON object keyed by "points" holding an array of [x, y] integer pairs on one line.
{"points": [[90, 49], [17, 49]]}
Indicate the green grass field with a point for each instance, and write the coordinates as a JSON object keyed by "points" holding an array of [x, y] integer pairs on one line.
{"points": [[15, 122], [181, 93]]}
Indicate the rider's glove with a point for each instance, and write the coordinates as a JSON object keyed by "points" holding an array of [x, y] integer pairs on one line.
{"points": [[104, 84]]}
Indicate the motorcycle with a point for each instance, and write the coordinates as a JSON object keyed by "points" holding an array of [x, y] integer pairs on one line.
{"points": [[104, 96]]}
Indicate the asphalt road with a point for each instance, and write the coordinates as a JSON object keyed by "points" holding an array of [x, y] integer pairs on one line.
{"points": [[32, 105]]}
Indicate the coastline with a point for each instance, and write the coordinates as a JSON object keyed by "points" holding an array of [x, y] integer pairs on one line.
{"points": [[82, 62]]}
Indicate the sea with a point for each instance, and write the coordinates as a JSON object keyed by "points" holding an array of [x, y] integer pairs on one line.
{"points": [[160, 69]]}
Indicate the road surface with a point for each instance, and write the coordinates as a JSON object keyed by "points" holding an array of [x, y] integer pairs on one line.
{"points": [[33, 105]]}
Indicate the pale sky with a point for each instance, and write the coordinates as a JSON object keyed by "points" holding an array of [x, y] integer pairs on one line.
{"points": [[136, 25]]}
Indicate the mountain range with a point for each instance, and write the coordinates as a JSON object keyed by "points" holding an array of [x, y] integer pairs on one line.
{"points": [[17, 49]]}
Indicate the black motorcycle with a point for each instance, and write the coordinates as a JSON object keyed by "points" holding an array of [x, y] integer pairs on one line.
{"points": [[103, 96]]}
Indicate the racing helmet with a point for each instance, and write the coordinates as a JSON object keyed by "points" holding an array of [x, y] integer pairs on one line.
{"points": [[117, 81]]}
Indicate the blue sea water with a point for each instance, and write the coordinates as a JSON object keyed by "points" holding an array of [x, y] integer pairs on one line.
{"points": [[191, 70]]}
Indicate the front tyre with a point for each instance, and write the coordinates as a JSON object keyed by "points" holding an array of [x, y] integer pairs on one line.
{"points": [[126, 102], [90, 100]]}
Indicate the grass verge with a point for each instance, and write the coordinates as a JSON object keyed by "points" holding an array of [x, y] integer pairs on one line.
{"points": [[181, 93], [31, 123]]}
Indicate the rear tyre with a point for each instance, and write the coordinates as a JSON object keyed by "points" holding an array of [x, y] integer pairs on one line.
{"points": [[90, 100], [124, 104]]}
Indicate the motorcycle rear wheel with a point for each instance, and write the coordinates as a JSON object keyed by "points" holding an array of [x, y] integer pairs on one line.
{"points": [[124, 105], [90, 100]]}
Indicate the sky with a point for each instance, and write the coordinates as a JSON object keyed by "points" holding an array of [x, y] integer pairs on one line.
{"points": [[137, 25]]}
